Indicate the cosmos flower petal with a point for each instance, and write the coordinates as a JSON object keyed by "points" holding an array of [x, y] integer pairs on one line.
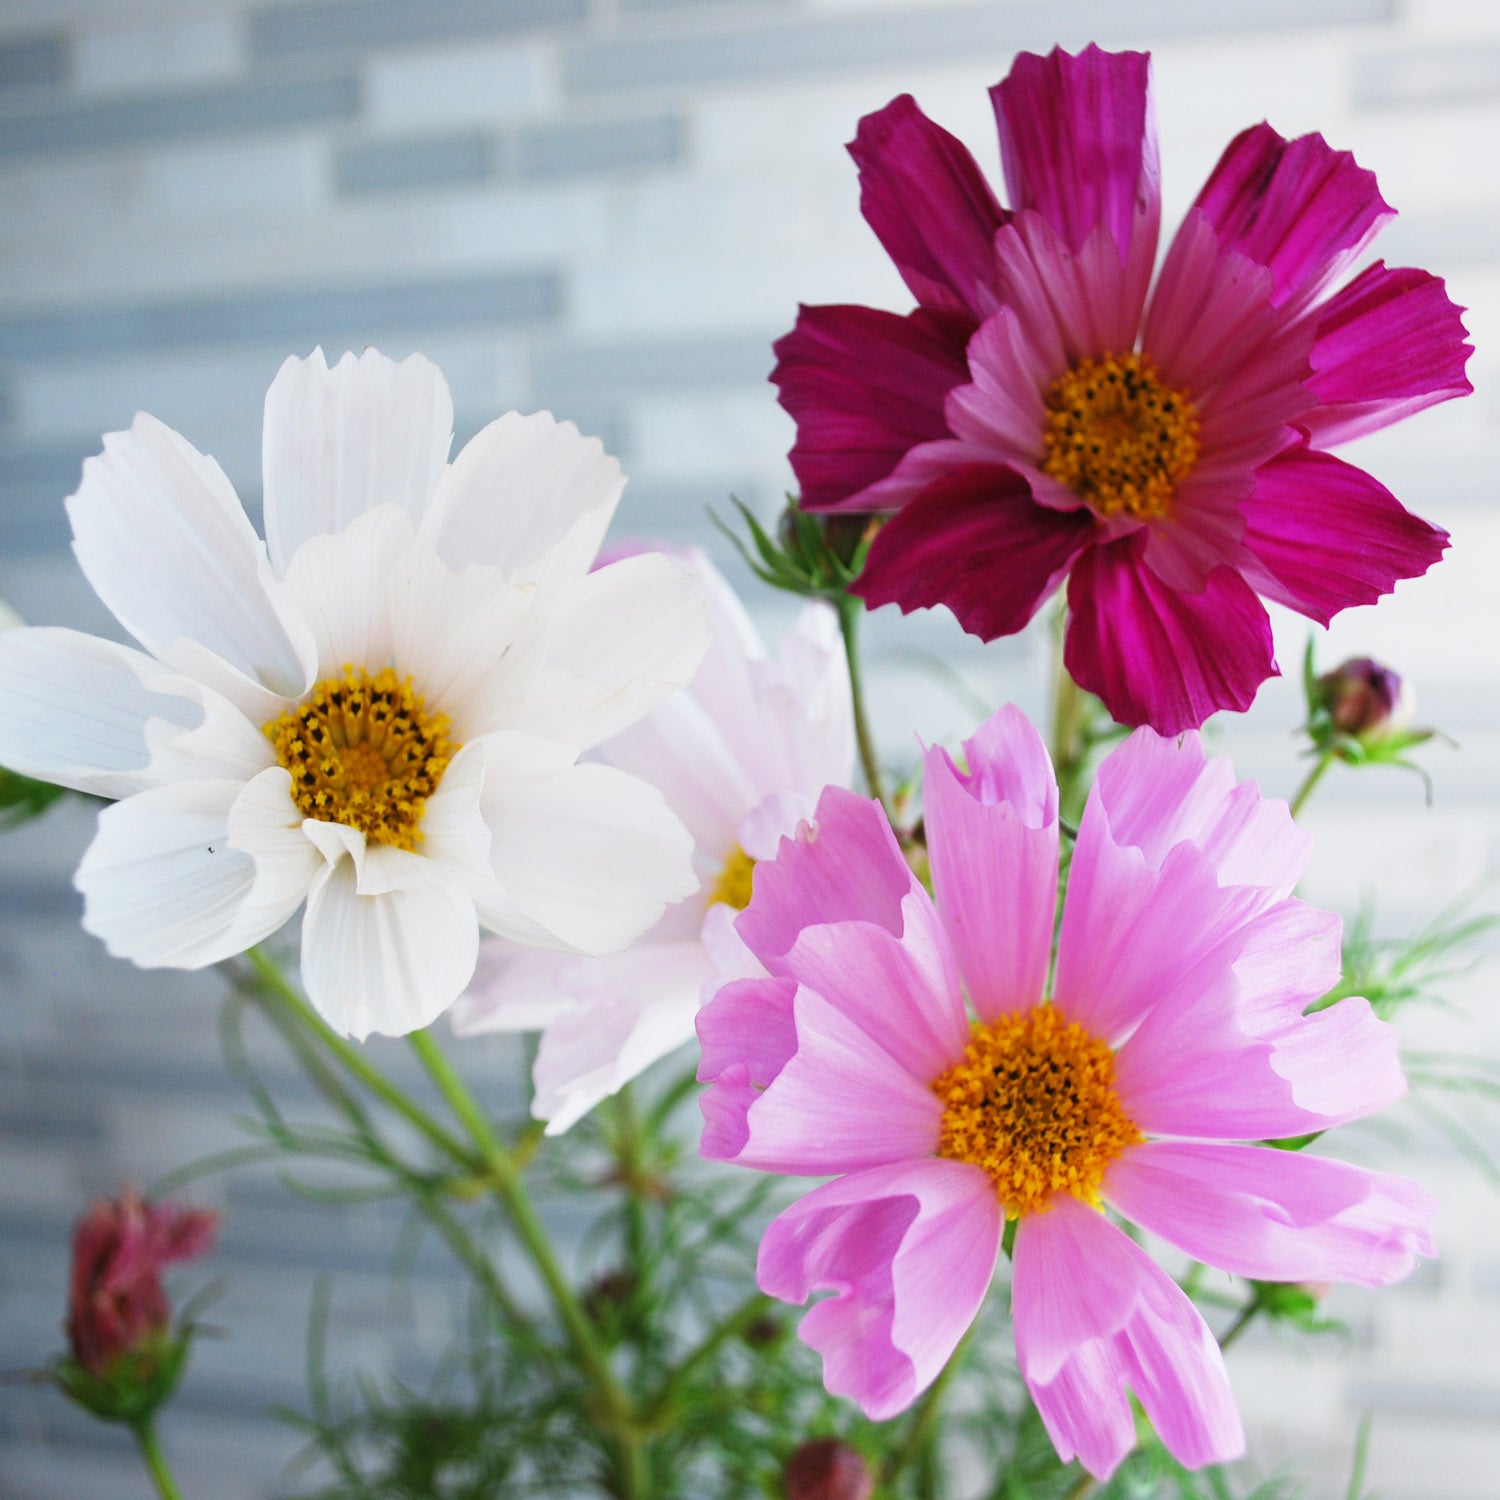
{"points": [[992, 837], [1275, 1215], [844, 866], [1094, 1314], [1299, 208], [1325, 535], [391, 957], [1158, 656], [1078, 144], [163, 539], [809, 1089], [927, 201], [908, 1252], [102, 718], [976, 541], [1154, 792], [590, 854], [1388, 344], [370, 431], [864, 386], [529, 495]]}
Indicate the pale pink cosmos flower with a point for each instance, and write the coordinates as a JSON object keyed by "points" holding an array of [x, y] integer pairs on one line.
{"points": [[1172, 1034], [741, 756]]}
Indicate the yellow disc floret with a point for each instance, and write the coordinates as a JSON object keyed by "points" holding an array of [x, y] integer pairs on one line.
{"points": [[1033, 1104], [734, 881], [363, 751], [1118, 437]]}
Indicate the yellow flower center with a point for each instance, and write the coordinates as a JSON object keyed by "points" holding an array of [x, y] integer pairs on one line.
{"points": [[1118, 437], [364, 751], [734, 881], [1033, 1103]]}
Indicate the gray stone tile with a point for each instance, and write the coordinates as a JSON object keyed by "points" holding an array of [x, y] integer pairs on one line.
{"points": [[187, 114], [342, 26], [34, 62], [600, 146], [791, 46], [1424, 75], [414, 162]]}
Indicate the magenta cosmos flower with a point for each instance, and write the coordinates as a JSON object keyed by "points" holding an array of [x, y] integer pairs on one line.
{"points": [[1047, 412], [1172, 1034]]}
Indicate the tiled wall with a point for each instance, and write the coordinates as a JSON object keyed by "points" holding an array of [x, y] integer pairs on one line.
{"points": [[611, 208]]}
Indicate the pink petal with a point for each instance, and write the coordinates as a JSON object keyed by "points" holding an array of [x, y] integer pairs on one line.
{"points": [[797, 1086], [1094, 1314], [1000, 416], [1326, 535], [1078, 143], [1299, 208], [926, 199], [908, 1251], [1276, 1215], [863, 387], [1158, 656], [1389, 344], [844, 866], [977, 542], [992, 840], [1155, 792]]}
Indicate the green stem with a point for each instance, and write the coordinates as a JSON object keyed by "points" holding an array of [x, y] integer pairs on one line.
{"points": [[275, 983], [753, 1307], [1085, 1485], [1314, 776], [1069, 722], [628, 1159], [924, 1419], [850, 609], [1242, 1321], [155, 1460]]}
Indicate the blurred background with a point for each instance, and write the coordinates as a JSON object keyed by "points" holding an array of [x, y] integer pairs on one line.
{"points": [[610, 208]]}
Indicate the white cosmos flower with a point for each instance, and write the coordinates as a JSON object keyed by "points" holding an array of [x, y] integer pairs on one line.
{"points": [[378, 710], [9, 619], [742, 756]]}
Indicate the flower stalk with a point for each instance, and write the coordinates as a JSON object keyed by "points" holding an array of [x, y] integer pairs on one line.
{"points": [[155, 1460], [850, 609]]}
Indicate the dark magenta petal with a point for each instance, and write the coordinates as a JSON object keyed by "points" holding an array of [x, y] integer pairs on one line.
{"points": [[926, 199], [863, 387], [1299, 208], [1079, 145], [1389, 344], [1158, 656], [1327, 535], [976, 541]]}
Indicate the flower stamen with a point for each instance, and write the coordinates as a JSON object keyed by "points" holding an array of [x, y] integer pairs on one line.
{"points": [[734, 882], [1033, 1104], [1118, 436], [363, 751]]}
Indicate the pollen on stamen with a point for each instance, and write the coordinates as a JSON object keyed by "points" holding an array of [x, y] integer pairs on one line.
{"points": [[735, 881], [364, 751], [1033, 1104], [1119, 437]]}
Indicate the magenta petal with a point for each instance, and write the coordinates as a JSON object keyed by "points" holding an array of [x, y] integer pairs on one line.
{"points": [[1159, 656], [1276, 1215], [909, 1252], [927, 201], [1078, 144], [1327, 535], [1389, 344], [1299, 208], [863, 387], [992, 839], [1094, 1314], [844, 866], [976, 541]]}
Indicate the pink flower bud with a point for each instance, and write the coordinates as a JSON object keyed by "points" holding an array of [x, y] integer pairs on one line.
{"points": [[828, 1469]]}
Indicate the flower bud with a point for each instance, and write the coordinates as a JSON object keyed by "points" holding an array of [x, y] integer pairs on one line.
{"points": [[1364, 700], [828, 1469]]}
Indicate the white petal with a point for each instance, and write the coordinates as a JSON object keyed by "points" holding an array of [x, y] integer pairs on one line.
{"points": [[529, 495], [591, 855], [103, 718], [268, 826], [388, 961], [161, 536], [619, 641], [339, 442], [453, 828]]}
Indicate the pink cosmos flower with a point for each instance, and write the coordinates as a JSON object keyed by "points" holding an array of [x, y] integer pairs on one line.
{"points": [[1046, 412], [1173, 1032], [740, 756]]}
